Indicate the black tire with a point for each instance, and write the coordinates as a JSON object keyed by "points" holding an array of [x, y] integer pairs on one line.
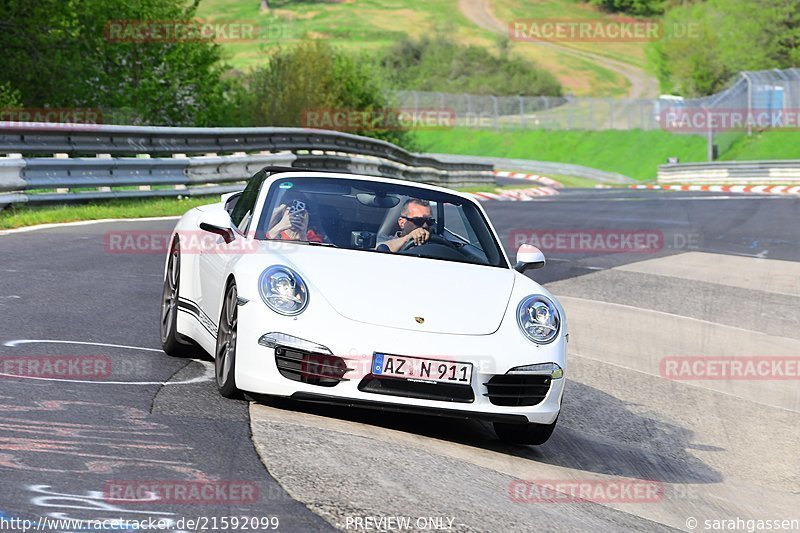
{"points": [[535, 434], [172, 343], [225, 355]]}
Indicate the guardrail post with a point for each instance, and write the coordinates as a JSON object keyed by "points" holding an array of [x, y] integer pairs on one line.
{"points": [[749, 103], [103, 188], [61, 190], [709, 139]]}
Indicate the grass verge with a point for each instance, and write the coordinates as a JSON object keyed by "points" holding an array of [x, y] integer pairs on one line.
{"points": [[20, 216], [764, 145], [576, 182], [634, 153]]}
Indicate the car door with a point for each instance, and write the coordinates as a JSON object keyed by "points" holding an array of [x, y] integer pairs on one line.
{"points": [[216, 255]]}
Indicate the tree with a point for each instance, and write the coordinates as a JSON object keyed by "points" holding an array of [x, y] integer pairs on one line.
{"points": [[706, 44], [59, 53], [439, 64], [314, 77], [9, 97]]}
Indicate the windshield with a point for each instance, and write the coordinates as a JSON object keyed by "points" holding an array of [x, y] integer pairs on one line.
{"points": [[380, 218]]}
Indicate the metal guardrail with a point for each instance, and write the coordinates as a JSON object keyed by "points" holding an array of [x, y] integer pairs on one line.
{"points": [[731, 172], [94, 162], [37, 138]]}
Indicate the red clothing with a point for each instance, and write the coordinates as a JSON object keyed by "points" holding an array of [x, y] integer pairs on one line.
{"points": [[311, 236]]}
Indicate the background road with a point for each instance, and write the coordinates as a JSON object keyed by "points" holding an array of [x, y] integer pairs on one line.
{"points": [[726, 281], [642, 84]]}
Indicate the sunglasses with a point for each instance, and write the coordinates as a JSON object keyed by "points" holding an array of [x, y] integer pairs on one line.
{"points": [[420, 221]]}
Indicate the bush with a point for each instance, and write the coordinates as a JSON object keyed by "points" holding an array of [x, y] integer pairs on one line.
{"points": [[640, 8], [437, 64], [314, 76]]}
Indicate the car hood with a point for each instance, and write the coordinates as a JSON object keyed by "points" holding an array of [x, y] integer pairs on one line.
{"points": [[406, 292]]}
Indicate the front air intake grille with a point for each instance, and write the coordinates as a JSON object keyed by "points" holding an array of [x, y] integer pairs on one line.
{"points": [[518, 390], [405, 388], [313, 368]]}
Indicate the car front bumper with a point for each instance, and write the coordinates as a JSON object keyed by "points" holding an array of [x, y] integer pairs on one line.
{"points": [[356, 342]]}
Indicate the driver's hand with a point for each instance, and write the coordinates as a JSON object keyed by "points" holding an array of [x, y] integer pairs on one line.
{"points": [[419, 236]]}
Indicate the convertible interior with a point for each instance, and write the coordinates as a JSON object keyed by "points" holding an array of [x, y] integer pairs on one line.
{"points": [[351, 216]]}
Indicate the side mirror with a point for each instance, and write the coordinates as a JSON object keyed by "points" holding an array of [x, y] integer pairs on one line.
{"points": [[529, 257], [218, 222]]}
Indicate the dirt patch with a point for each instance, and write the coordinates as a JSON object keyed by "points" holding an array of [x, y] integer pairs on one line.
{"points": [[642, 85]]}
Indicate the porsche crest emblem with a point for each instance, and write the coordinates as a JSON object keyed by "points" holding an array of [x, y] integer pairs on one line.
{"points": [[419, 319]]}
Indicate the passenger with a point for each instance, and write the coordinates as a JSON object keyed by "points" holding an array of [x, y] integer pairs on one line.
{"points": [[291, 221]]}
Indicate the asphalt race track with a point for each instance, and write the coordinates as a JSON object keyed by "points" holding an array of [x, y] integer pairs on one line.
{"points": [[723, 280]]}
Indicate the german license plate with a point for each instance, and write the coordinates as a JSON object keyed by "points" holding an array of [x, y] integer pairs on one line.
{"points": [[421, 369]]}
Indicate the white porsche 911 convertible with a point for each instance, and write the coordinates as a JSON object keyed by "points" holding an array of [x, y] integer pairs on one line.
{"points": [[366, 291]]}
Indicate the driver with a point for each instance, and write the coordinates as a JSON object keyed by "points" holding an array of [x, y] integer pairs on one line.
{"points": [[415, 222]]}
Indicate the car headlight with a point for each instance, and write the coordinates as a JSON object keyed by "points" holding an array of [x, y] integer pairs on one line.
{"points": [[283, 290], [538, 319]]}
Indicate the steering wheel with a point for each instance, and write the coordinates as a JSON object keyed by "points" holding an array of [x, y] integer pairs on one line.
{"points": [[432, 239]]}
